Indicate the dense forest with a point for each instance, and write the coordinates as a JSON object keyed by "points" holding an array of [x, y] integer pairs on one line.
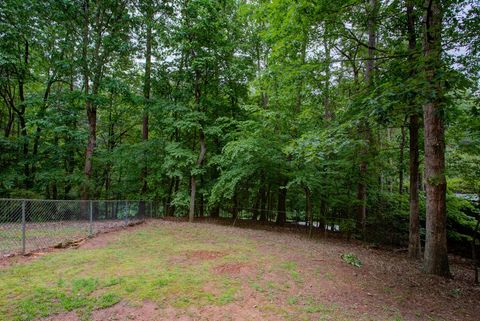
{"points": [[359, 113]]}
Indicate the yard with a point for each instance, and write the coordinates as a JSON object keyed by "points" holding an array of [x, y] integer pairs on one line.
{"points": [[164, 270]]}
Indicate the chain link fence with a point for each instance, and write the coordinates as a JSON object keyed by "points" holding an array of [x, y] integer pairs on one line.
{"points": [[29, 225]]}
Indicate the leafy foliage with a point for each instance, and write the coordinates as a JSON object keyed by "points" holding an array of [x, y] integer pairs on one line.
{"points": [[351, 259], [278, 88]]}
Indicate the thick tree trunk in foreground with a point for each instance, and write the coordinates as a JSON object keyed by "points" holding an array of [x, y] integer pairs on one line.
{"points": [[436, 256], [414, 245]]}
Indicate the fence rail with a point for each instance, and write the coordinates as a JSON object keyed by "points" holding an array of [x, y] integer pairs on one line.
{"points": [[29, 225]]}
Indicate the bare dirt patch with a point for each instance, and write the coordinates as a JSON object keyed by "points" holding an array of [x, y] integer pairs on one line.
{"points": [[234, 269], [204, 255], [69, 316], [150, 311], [195, 257], [124, 312]]}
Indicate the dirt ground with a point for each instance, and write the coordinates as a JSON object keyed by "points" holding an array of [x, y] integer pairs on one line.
{"points": [[296, 278]]}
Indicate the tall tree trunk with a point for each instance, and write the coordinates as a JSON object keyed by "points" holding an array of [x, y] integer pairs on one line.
{"points": [[21, 118], [235, 207], [264, 203], [309, 210], [362, 199], [176, 186], [300, 84], [203, 148], [401, 160], [436, 256], [168, 199], [146, 92], [474, 251], [70, 150], [26, 168], [328, 113], [364, 127], [92, 135], [193, 184], [91, 112], [282, 204], [146, 96], [215, 211], [9, 121], [414, 245], [201, 212]]}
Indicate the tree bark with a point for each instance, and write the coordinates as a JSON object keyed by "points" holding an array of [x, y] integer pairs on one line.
{"points": [[309, 210], [193, 184], [146, 92], [168, 199], [414, 245], [215, 212], [401, 160], [91, 113], [282, 205], [328, 113], [436, 256], [474, 250], [146, 96], [364, 129], [264, 203], [362, 199], [21, 117]]}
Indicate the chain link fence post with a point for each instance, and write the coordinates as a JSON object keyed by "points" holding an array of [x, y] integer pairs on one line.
{"points": [[24, 227]]}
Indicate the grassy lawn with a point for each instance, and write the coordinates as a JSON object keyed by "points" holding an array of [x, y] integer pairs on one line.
{"points": [[191, 270]]}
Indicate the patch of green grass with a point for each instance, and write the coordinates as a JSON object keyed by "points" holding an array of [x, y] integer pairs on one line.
{"points": [[257, 287], [138, 266], [291, 267], [84, 285], [319, 308], [227, 296], [107, 300], [293, 300]]}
